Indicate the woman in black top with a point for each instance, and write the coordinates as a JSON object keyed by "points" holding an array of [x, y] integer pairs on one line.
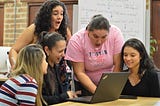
{"points": [[55, 87], [143, 78]]}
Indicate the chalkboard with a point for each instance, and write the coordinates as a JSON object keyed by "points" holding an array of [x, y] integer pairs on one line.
{"points": [[128, 15]]}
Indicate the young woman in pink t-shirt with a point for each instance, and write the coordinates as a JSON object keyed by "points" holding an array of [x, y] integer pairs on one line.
{"points": [[93, 51]]}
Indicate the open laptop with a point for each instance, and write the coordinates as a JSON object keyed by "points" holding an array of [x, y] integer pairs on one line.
{"points": [[108, 89]]}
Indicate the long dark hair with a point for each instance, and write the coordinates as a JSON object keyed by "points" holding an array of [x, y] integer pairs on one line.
{"points": [[50, 40], [43, 18], [145, 62]]}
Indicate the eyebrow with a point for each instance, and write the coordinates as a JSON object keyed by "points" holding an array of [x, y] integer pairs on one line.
{"points": [[57, 11]]}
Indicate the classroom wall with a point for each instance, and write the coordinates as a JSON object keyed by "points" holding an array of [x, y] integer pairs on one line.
{"points": [[155, 29], [10, 33]]}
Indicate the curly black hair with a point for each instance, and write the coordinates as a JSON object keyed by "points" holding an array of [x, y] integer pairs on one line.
{"points": [[43, 19]]}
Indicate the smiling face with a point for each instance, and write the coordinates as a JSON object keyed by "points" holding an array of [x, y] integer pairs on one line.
{"points": [[57, 52], [57, 17], [131, 58], [98, 36]]}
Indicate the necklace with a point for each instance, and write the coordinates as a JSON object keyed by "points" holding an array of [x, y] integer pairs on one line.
{"points": [[134, 79]]}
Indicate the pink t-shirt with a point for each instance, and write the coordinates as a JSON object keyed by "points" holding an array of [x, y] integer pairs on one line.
{"points": [[96, 60]]}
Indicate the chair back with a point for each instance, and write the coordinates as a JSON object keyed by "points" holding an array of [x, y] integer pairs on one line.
{"points": [[4, 60], [159, 77]]}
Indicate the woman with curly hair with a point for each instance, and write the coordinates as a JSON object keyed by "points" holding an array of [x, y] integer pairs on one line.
{"points": [[52, 17]]}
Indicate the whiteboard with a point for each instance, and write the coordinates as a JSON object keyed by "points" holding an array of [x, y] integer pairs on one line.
{"points": [[75, 19], [128, 15]]}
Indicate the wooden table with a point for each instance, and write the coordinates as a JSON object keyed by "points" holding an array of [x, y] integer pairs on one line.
{"points": [[3, 77], [140, 101]]}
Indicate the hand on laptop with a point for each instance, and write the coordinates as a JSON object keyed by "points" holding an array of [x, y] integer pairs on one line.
{"points": [[73, 94]]}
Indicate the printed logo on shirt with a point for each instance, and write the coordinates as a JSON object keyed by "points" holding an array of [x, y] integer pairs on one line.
{"points": [[97, 53], [97, 58]]}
